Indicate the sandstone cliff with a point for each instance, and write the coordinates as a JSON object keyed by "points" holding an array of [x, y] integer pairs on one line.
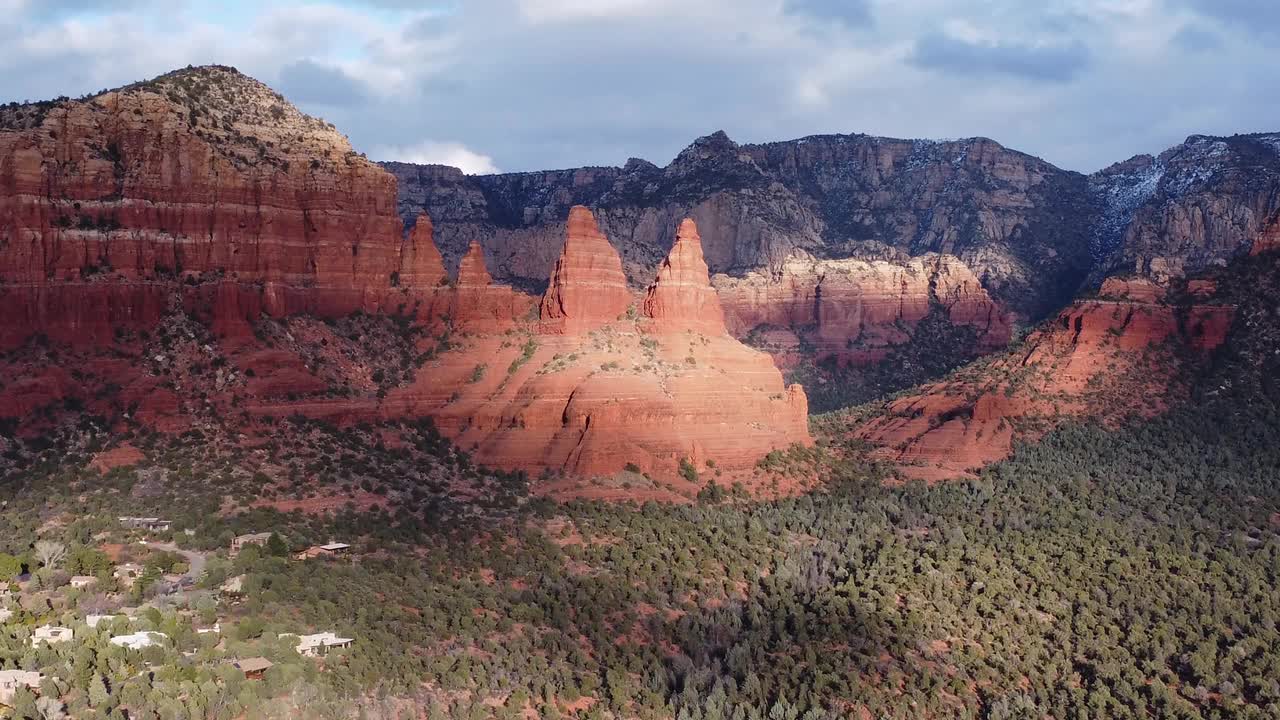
{"points": [[111, 204], [681, 297], [1123, 354], [857, 310]]}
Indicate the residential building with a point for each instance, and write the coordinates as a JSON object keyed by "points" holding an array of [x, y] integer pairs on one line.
{"points": [[94, 620], [253, 668], [51, 635], [240, 542], [139, 640], [152, 524], [320, 643], [83, 581], [128, 574], [330, 549], [11, 680]]}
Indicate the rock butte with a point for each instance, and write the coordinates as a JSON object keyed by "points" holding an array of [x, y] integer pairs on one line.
{"points": [[111, 206], [588, 288], [646, 392], [1106, 359], [118, 212]]}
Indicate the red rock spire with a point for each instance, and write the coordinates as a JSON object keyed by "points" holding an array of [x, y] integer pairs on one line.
{"points": [[588, 288], [472, 271], [681, 298], [421, 266]]}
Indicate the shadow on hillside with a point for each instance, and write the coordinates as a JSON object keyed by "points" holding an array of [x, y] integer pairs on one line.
{"points": [[791, 644]]}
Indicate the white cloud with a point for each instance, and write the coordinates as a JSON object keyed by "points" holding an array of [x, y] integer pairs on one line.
{"points": [[563, 83], [569, 10], [430, 152]]}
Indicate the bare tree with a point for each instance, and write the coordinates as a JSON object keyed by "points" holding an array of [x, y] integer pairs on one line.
{"points": [[50, 553]]}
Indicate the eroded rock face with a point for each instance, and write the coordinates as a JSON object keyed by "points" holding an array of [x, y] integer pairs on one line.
{"points": [[477, 304], [835, 196], [628, 398], [1106, 359], [648, 392], [856, 310], [1203, 203], [200, 175], [421, 265], [588, 288], [681, 297]]}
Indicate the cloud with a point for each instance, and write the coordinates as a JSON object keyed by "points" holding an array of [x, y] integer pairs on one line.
{"points": [[543, 84], [540, 11], [306, 81], [429, 152], [1260, 17], [1197, 39], [848, 12], [1049, 63]]}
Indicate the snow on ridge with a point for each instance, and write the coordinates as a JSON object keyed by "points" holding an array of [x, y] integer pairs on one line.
{"points": [[1121, 195]]}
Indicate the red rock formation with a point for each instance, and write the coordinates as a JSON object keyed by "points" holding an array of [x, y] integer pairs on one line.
{"points": [[681, 297], [588, 288], [1137, 289], [421, 266], [77, 313], [591, 409], [857, 310], [480, 306], [637, 392], [117, 211], [1102, 359], [137, 187]]}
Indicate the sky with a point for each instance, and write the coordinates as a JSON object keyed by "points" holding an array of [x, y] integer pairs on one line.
{"points": [[518, 85]]}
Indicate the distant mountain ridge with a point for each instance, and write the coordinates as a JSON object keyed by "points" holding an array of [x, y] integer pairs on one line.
{"points": [[1032, 232]]}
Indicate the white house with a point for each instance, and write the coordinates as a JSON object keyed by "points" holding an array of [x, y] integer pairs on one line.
{"points": [[153, 524], [94, 620], [5, 615], [83, 581], [216, 629], [11, 680], [139, 640], [51, 635], [314, 645]]}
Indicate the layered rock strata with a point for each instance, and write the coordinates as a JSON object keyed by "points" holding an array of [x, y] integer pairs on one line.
{"points": [[1109, 358]]}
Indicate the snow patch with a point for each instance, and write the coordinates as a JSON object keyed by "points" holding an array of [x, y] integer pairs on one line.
{"points": [[1121, 195]]}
